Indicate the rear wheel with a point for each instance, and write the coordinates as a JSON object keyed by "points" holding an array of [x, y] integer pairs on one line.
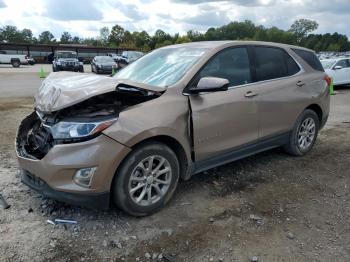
{"points": [[15, 63], [146, 180], [304, 134]]}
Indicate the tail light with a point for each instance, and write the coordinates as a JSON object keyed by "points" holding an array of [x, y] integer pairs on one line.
{"points": [[328, 80]]}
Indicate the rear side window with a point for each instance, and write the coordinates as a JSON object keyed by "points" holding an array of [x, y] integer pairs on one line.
{"points": [[270, 63], [292, 66], [310, 58]]}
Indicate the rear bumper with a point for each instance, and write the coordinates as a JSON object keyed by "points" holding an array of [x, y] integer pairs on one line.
{"points": [[323, 121], [95, 201]]}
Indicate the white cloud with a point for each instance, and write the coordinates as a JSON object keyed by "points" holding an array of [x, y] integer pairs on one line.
{"points": [[85, 17]]}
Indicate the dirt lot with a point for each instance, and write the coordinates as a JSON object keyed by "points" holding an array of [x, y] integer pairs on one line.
{"points": [[272, 206]]}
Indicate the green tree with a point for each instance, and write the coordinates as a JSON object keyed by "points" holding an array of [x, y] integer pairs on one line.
{"points": [[104, 33], [10, 33], [117, 34], [46, 37], [66, 38], [300, 28], [27, 35]]}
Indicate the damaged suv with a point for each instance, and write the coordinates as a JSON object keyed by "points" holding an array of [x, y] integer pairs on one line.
{"points": [[179, 110]]}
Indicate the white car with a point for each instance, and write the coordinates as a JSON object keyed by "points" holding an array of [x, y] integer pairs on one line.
{"points": [[338, 69]]}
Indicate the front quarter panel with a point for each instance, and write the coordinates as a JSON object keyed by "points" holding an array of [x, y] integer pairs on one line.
{"points": [[163, 116]]}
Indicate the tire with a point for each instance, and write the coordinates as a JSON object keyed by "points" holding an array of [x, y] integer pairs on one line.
{"points": [[81, 69], [15, 63], [131, 169], [300, 133], [54, 69], [92, 69]]}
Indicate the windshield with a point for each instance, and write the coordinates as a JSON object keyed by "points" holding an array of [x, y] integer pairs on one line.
{"points": [[162, 67], [327, 64], [66, 55], [104, 59]]}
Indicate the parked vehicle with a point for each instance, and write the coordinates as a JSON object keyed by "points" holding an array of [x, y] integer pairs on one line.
{"points": [[126, 58], [175, 112], [115, 57], [14, 60], [129, 57], [31, 60], [103, 64], [67, 61], [338, 69]]}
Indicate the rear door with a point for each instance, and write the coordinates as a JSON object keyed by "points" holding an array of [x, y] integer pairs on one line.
{"points": [[278, 81], [224, 120]]}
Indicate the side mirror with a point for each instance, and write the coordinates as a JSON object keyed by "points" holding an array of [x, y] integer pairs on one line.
{"points": [[210, 84], [337, 67]]}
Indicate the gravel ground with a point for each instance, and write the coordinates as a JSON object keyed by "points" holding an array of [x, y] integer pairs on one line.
{"points": [[269, 207]]}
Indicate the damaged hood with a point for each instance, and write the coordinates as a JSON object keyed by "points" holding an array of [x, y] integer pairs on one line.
{"points": [[63, 89]]}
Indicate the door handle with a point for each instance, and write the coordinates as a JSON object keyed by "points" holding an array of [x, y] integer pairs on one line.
{"points": [[250, 94], [300, 83]]}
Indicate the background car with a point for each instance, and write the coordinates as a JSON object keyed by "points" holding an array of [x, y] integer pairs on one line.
{"points": [[103, 64], [14, 60], [129, 57], [67, 61], [31, 60], [338, 69]]}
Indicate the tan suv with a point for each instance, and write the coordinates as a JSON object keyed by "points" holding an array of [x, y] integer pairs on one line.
{"points": [[177, 111]]}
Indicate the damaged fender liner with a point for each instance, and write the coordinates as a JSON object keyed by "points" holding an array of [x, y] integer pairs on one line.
{"points": [[95, 201]]}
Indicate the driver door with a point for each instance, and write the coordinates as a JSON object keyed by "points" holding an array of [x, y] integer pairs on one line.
{"points": [[228, 119]]}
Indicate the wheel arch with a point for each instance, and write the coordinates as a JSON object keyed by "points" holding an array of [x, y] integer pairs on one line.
{"points": [[317, 109], [177, 147], [184, 162]]}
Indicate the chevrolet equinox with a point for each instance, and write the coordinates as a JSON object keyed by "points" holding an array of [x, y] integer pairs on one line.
{"points": [[179, 110]]}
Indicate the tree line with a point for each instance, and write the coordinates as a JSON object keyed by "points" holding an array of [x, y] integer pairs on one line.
{"points": [[300, 33]]}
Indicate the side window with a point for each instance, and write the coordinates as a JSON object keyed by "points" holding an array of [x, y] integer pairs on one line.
{"points": [[292, 66], [270, 63], [343, 63], [310, 58], [231, 64]]}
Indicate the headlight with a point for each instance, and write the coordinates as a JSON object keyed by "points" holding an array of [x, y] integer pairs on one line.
{"points": [[58, 63], [68, 130], [77, 63]]}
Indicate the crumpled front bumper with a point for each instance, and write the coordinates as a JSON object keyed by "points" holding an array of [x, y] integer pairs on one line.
{"points": [[58, 167], [96, 201]]}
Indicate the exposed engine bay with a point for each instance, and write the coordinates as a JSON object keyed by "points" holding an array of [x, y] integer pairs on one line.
{"points": [[35, 137]]}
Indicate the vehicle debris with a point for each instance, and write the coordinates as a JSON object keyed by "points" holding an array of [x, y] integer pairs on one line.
{"points": [[4, 202], [65, 221], [50, 222], [61, 221]]}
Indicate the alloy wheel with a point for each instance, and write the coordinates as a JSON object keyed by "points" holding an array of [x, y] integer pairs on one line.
{"points": [[306, 133], [150, 180]]}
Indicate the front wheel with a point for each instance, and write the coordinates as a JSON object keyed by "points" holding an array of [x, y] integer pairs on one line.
{"points": [[146, 180], [304, 134]]}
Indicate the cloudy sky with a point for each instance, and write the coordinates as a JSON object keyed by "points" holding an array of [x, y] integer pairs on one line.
{"points": [[85, 17]]}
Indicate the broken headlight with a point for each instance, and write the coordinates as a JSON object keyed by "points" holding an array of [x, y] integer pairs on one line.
{"points": [[68, 130]]}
